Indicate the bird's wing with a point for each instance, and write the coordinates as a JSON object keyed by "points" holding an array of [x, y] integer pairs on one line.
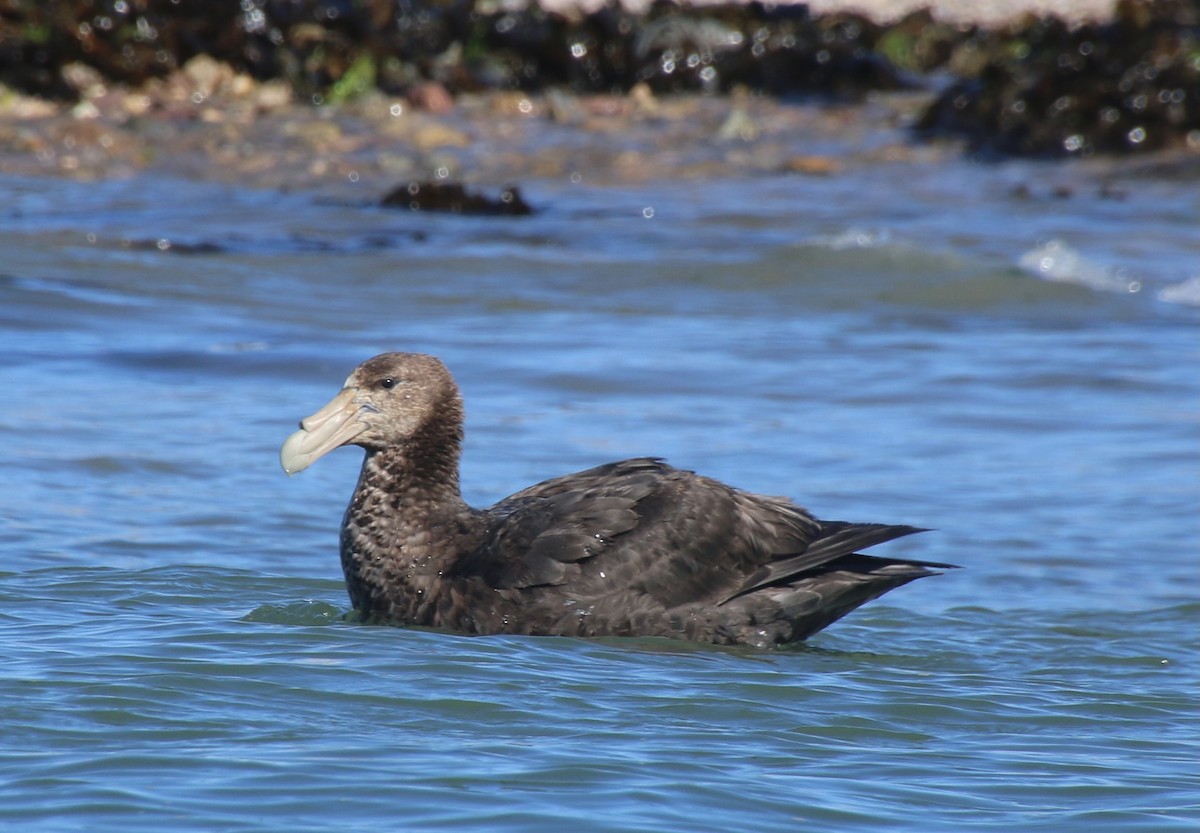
{"points": [[640, 526], [539, 534], [835, 540]]}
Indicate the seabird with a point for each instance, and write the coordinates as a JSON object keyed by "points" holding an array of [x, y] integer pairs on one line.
{"points": [[631, 548]]}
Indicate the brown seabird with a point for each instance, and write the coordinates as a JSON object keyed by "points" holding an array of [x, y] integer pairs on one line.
{"points": [[632, 548]]}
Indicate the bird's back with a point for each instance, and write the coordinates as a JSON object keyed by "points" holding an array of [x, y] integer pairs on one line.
{"points": [[639, 547]]}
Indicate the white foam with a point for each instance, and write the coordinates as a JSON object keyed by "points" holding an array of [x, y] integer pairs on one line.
{"points": [[1058, 262], [1187, 293], [855, 238]]}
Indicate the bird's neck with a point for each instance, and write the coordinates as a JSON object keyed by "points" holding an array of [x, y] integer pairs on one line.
{"points": [[404, 529]]}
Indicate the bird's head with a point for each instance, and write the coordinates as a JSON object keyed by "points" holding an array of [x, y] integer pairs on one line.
{"points": [[384, 403]]}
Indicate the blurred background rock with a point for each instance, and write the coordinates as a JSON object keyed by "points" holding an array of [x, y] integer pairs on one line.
{"points": [[1010, 78]]}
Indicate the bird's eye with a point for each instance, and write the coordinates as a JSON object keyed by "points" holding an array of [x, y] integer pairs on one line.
{"points": [[388, 383]]}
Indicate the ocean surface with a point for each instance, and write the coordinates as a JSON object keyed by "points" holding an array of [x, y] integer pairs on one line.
{"points": [[1007, 353]]}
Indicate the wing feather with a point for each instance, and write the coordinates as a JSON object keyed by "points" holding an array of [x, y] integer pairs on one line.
{"points": [[643, 527]]}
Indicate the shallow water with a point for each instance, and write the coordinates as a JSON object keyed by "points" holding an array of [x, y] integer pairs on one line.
{"points": [[903, 343]]}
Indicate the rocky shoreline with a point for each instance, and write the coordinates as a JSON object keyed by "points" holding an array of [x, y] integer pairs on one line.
{"points": [[295, 94]]}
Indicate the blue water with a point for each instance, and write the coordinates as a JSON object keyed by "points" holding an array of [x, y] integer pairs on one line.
{"points": [[908, 343]]}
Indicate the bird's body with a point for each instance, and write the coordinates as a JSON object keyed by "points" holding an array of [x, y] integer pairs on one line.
{"points": [[633, 548]]}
